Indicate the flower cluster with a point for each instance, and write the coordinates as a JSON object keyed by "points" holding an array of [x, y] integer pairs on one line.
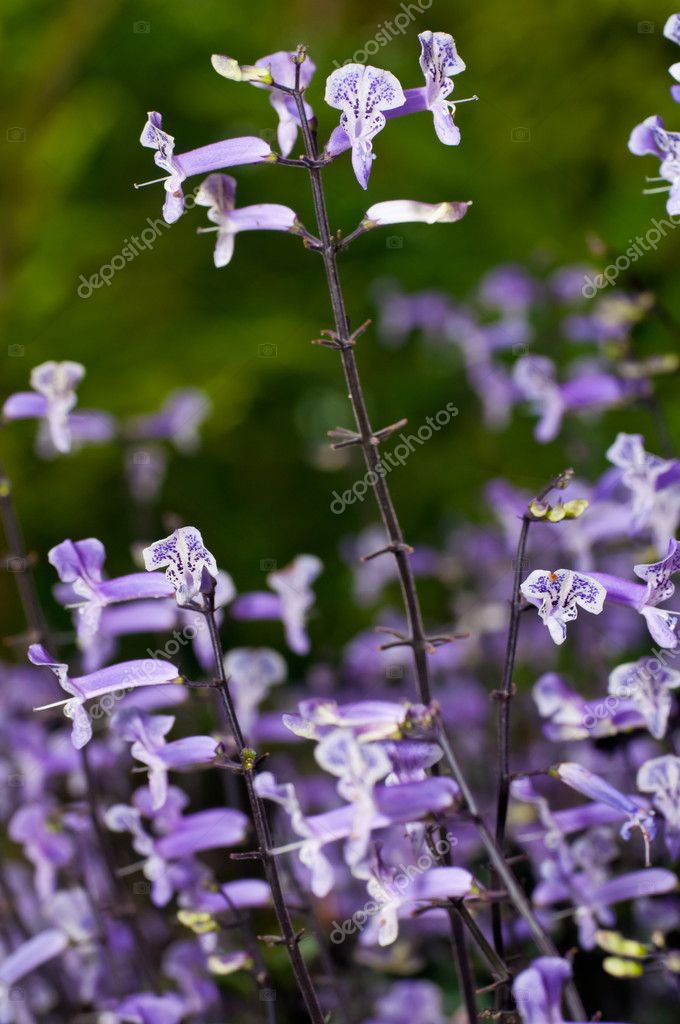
{"points": [[285, 828]]}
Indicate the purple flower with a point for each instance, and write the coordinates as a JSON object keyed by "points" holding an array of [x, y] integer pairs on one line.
{"points": [[178, 421], [393, 805], [510, 289], [408, 211], [290, 602], [398, 893], [647, 686], [168, 859], [661, 777], [252, 671], [538, 990], [146, 1008], [218, 193], [358, 767], [661, 622], [671, 30], [367, 719], [40, 830], [124, 676], [439, 60], [410, 1002], [643, 474], [651, 138], [282, 70], [52, 399], [147, 734], [218, 155], [588, 390], [586, 782], [191, 569], [558, 595], [570, 717], [28, 957], [80, 564], [362, 93]]}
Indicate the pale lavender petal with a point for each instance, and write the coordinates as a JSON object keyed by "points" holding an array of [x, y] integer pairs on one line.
{"points": [[204, 830], [24, 405], [32, 954]]}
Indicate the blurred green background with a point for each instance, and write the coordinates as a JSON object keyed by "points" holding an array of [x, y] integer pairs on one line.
{"points": [[77, 80]]}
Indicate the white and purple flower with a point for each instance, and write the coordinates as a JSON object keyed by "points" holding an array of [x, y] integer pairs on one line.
{"points": [[558, 595]]}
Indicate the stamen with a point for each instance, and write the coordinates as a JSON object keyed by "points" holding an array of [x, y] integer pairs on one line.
{"points": [[658, 178], [205, 231], [130, 869], [143, 184], [466, 99], [653, 191], [57, 704]]}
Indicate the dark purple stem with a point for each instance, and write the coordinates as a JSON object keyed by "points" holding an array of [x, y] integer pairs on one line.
{"points": [[248, 759]]}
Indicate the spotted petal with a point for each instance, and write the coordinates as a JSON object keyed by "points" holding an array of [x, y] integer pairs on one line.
{"points": [[362, 93], [557, 595], [190, 566]]}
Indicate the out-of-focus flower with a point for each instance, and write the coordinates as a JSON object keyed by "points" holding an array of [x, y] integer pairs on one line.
{"points": [[638, 814], [147, 733], [538, 990], [291, 601], [80, 565], [647, 687], [661, 622], [660, 776], [52, 400], [179, 420]]}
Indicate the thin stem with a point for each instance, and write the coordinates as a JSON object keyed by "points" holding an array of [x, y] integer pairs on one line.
{"points": [[417, 638], [261, 825], [506, 691], [543, 941], [399, 549], [261, 975], [21, 563]]}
